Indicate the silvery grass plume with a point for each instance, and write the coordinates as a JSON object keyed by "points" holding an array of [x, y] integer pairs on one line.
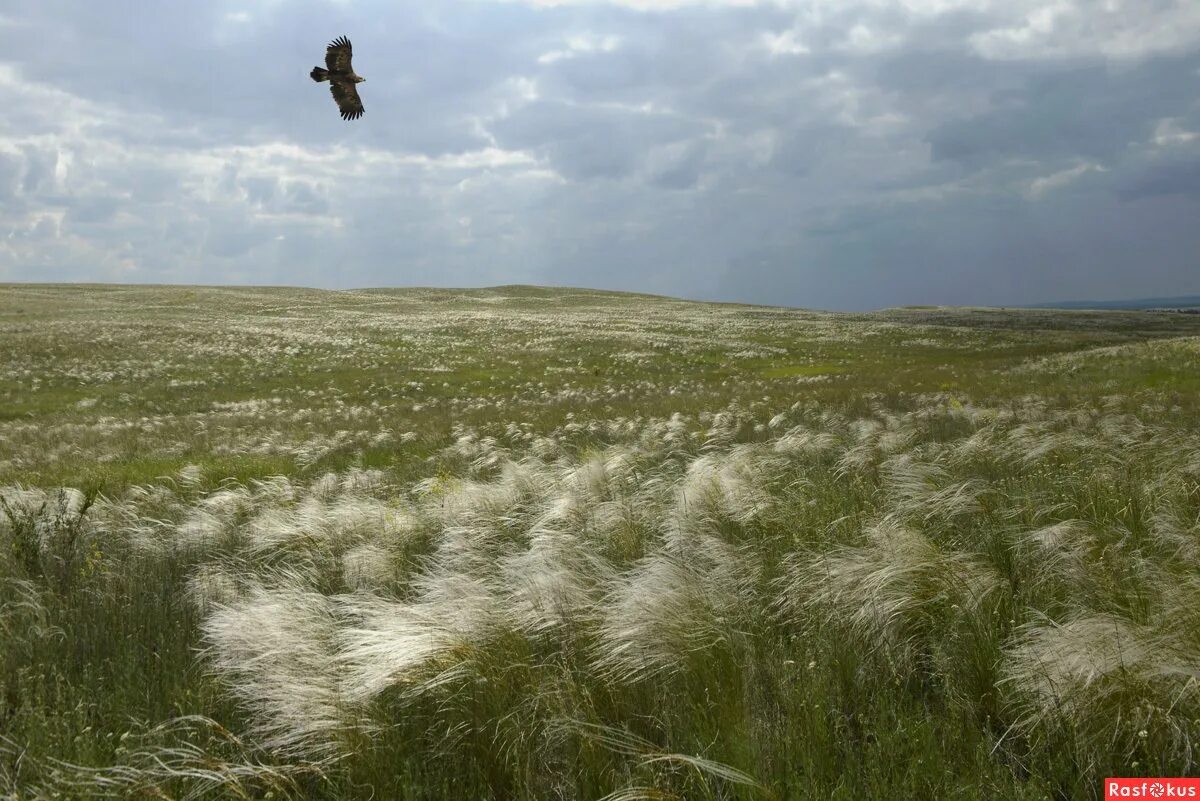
{"points": [[414, 647], [325, 487], [330, 523], [900, 433], [322, 446], [1176, 464], [924, 491], [864, 433], [616, 501], [687, 598], [1058, 552], [369, 566], [676, 437], [1190, 463], [216, 519], [553, 586], [358, 481], [1030, 443], [40, 511], [276, 649], [202, 756], [979, 447], [1176, 536], [802, 442], [45, 532], [894, 593], [462, 626], [200, 532], [190, 476], [23, 614], [142, 520], [275, 490], [723, 430], [1112, 681], [668, 765], [183, 528], [319, 534], [727, 485], [481, 455], [229, 502], [213, 585], [479, 583], [570, 496], [601, 477], [1125, 432], [824, 417], [956, 408], [464, 503]]}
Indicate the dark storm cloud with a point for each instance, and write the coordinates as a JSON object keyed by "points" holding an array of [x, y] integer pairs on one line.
{"points": [[1173, 174], [813, 152], [1096, 112]]}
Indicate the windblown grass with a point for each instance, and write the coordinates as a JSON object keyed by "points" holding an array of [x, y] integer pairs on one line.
{"points": [[555, 544]]}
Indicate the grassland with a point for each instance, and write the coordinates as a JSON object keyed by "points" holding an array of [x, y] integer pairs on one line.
{"points": [[535, 543]]}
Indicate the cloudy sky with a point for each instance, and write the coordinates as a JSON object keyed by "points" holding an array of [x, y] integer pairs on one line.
{"points": [[841, 154]]}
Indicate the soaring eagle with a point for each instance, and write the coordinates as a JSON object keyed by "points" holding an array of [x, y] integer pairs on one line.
{"points": [[341, 78]]}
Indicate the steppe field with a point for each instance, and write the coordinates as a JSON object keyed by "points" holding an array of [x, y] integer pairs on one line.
{"points": [[526, 543]]}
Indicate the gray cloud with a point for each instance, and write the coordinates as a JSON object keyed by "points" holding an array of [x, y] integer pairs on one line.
{"points": [[584, 142], [1095, 111], [1176, 174], [818, 153]]}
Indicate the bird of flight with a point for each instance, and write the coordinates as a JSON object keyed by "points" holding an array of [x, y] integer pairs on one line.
{"points": [[341, 77]]}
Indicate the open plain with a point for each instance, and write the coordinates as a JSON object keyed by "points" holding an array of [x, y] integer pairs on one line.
{"points": [[552, 543]]}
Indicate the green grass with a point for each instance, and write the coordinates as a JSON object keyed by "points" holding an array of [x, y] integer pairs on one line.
{"points": [[526, 542], [799, 370]]}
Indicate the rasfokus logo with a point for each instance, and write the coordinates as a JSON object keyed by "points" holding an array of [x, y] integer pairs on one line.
{"points": [[1151, 788]]}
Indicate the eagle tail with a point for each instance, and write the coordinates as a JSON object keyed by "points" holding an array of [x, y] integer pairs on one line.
{"points": [[319, 74]]}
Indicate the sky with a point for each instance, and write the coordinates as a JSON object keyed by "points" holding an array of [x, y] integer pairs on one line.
{"points": [[835, 154]]}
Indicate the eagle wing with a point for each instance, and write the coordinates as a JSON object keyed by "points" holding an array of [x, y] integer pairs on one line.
{"points": [[345, 93], [338, 55]]}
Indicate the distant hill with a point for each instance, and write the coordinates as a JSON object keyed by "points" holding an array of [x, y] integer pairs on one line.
{"points": [[1181, 302]]}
